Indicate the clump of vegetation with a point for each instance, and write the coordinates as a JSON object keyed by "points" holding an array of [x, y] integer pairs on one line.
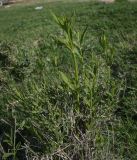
{"points": [[70, 116]]}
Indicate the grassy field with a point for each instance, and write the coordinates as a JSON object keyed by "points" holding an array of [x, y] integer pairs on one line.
{"points": [[68, 88]]}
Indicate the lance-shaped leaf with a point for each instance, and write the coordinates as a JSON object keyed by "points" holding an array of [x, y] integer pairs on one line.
{"points": [[67, 80], [83, 35], [6, 155]]}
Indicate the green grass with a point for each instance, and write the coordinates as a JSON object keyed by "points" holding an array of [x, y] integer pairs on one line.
{"points": [[66, 98]]}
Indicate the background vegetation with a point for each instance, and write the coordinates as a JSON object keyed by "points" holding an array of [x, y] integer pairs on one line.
{"points": [[68, 86]]}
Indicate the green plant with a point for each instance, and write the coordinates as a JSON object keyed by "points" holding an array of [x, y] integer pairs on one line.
{"points": [[78, 100], [73, 41], [10, 138], [87, 80]]}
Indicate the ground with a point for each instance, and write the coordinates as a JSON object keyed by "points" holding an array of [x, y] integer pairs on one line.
{"points": [[32, 89]]}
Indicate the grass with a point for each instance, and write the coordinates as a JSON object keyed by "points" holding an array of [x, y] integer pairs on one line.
{"points": [[68, 85]]}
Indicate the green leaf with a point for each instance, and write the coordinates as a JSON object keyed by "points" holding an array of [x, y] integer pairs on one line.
{"points": [[75, 51], [18, 146], [55, 17], [83, 35], [67, 80], [60, 42], [6, 155], [22, 124]]}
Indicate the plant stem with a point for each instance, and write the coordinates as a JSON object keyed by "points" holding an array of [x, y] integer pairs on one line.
{"points": [[14, 137], [76, 77]]}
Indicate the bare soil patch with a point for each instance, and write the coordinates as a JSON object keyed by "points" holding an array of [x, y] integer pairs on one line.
{"points": [[107, 1]]}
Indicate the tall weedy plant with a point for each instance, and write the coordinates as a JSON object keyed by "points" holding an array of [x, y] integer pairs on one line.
{"points": [[96, 92], [73, 41]]}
